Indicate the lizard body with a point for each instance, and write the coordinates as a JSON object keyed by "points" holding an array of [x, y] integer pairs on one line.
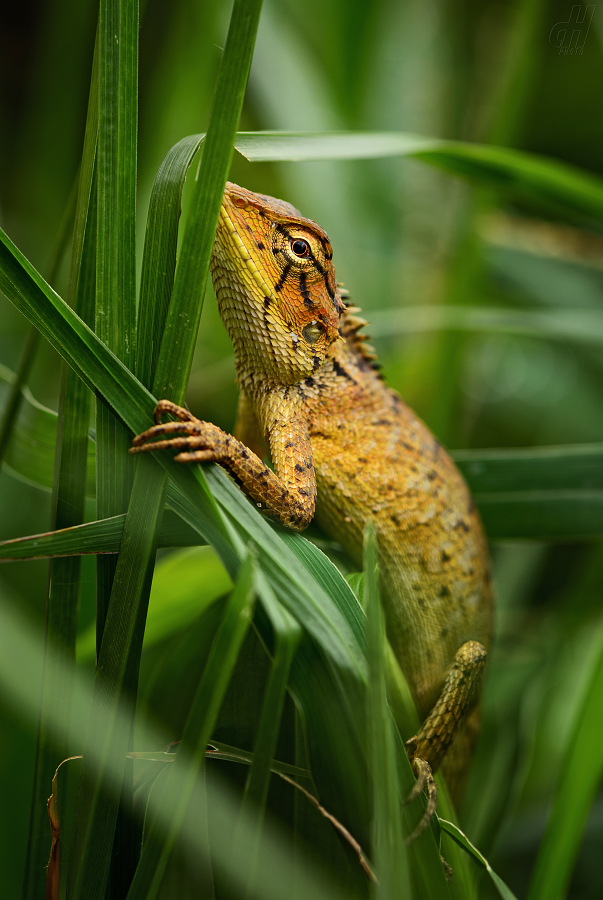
{"points": [[346, 449]]}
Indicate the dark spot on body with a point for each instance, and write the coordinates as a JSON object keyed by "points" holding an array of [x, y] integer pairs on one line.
{"points": [[361, 459], [310, 381], [446, 556], [302, 492], [445, 591], [289, 444], [462, 525], [260, 246], [266, 302], [298, 468], [339, 370], [382, 422], [431, 475], [316, 362]]}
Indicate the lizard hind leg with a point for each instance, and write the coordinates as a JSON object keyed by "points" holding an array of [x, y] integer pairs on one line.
{"points": [[429, 746]]}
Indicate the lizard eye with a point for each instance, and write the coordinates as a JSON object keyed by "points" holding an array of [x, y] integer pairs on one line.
{"points": [[300, 248], [313, 332]]}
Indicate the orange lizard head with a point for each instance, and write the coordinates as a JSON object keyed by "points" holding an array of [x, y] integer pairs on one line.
{"points": [[275, 282]]}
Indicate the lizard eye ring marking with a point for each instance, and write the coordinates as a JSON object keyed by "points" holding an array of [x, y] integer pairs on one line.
{"points": [[300, 247]]}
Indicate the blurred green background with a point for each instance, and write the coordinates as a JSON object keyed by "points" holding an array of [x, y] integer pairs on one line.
{"points": [[403, 235]]}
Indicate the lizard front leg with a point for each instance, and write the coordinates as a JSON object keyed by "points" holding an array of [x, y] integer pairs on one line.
{"points": [[428, 747], [287, 495]]}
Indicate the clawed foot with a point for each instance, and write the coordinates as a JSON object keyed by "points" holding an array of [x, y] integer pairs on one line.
{"points": [[425, 782], [195, 440]]}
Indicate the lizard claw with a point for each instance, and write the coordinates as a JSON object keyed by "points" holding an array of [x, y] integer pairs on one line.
{"points": [[195, 440], [166, 406], [425, 782]]}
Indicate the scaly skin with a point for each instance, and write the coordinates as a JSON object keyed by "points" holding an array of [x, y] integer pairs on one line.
{"points": [[346, 449]]}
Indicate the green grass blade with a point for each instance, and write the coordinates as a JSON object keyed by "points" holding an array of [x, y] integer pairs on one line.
{"points": [[388, 847], [28, 356], [103, 372], [184, 585], [580, 777], [286, 636], [115, 315], [97, 807], [219, 750], [184, 305], [454, 832], [302, 596], [101, 536], [159, 259], [571, 467], [31, 449], [191, 275], [583, 327], [15, 396], [542, 515], [511, 170], [330, 579], [20, 663], [197, 732], [69, 493], [62, 604]]}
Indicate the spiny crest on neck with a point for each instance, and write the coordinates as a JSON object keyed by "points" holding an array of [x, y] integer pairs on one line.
{"points": [[350, 326]]}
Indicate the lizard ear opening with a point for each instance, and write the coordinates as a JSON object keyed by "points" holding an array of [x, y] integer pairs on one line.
{"points": [[313, 332]]}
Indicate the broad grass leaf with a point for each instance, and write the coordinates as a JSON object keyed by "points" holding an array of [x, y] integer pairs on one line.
{"points": [[507, 169]]}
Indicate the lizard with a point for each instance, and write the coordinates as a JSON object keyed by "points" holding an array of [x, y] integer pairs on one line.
{"points": [[346, 449]]}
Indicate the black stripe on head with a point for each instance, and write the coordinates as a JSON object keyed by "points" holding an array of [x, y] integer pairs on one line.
{"points": [[303, 289], [280, 283], [330, 290], [315, 262]]}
